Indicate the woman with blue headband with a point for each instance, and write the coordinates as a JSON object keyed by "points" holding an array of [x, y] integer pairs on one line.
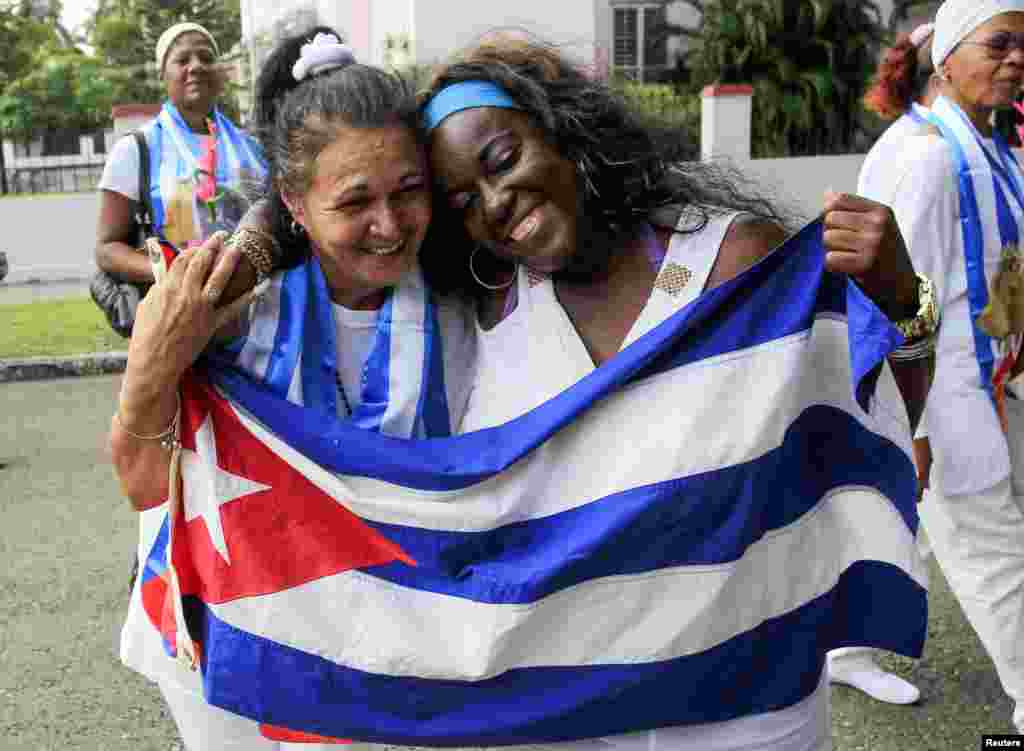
{"points": [[580, 222], [958, 194]]}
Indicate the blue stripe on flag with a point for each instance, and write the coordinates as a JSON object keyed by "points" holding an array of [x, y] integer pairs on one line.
{"points": [[285, 355], [432, 411], [156, 561], [703, 519], [376, 381], [319, 347], [767, 668]]}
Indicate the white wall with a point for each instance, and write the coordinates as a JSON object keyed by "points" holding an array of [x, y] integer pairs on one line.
{"points": [[392, 21], [438, 33], [799, 183]]}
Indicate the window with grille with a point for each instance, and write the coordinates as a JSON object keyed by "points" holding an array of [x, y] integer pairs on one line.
{"points": [[639, 44]]}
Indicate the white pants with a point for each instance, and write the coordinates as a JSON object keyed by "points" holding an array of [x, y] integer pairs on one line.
{"points": [[978, 540], [204, 727]]}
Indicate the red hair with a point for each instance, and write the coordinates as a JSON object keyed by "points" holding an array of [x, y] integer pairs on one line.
{"points": [[894, 87]]}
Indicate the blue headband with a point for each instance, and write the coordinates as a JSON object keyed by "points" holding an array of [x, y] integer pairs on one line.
{"points": [[465, 95]]}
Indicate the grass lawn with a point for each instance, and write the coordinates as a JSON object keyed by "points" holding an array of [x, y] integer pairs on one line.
{"points": [[70, 326]]}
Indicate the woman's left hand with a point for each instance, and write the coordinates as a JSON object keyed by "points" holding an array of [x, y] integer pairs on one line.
{"points": [[863, 240]]}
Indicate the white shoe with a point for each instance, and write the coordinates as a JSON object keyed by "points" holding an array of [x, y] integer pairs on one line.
{"points": [[865, 675]]}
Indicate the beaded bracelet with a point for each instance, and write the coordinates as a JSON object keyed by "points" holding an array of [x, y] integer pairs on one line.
{"points": [[168, 438], [259, 247]]}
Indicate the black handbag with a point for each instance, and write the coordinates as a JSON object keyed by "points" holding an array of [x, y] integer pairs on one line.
{"points": [[116, 297]]}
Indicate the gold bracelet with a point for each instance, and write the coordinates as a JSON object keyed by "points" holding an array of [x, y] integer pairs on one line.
{"points": [[258, 246], [168, 438], [926, 322]]}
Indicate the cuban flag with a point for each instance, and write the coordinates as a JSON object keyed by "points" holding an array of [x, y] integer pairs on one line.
{"points": [[677, 538]]}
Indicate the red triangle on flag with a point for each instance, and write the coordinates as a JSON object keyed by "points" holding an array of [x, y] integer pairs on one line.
{"points": [[275, 733], [282, 535]]}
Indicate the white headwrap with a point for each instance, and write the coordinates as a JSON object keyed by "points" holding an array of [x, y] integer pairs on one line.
{"points": [[167, 39], [325, 52], [957, 19]]}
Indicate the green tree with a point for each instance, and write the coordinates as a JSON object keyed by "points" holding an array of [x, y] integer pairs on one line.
{"points": [[64, 89], [21, 35], [23, 38], [808, 61]]}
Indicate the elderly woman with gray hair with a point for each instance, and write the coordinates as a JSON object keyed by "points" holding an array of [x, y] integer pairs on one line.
{"points": [[958, 196]]}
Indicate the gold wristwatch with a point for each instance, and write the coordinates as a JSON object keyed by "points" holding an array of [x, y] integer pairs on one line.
{"points": [[926, 322]]}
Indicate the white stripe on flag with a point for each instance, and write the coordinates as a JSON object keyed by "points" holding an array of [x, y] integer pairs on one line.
{"points": [[376, 626], [407, 371], [259, 344], [758, 402]]}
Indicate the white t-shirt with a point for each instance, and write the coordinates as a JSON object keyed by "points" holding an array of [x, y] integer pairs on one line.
{"points": [[121, 170], [356, 330]]}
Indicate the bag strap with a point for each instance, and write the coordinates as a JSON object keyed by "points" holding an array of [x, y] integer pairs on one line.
{"points": [[144, 215]]}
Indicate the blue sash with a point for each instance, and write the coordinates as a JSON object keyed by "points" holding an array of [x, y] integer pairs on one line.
{"points": [[291, 347], [240, 175], [918, 114], [972, 160]]}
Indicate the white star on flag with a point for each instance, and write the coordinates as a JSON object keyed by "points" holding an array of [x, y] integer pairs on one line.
{"points": [[209, 487]]}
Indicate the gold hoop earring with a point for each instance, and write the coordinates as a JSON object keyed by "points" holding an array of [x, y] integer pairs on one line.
{"points": [[481, 282]]}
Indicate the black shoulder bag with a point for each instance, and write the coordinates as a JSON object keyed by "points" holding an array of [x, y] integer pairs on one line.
{"points": [[117, 298]]}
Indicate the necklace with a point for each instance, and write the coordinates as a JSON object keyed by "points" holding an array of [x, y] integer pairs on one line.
{"points": [[341, 392]]}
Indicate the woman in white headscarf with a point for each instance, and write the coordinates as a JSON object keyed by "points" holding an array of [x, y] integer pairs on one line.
{"points": [[902, 91], [958, 196]]}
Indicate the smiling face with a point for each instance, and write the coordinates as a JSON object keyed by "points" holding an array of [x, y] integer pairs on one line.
{"points": [[190, 73], [516, 194], [366, 210], [983, 73]]}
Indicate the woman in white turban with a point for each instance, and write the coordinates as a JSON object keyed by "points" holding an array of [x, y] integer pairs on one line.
{"points": [[959, 199]]}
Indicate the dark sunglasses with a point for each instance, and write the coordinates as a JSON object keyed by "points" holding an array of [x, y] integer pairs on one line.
{"points": [[1002, 43]]}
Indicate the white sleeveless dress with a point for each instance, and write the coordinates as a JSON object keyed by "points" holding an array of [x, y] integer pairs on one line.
{"points": [[533, 354]]}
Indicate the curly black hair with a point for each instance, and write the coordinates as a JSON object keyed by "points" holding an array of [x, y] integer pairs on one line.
{"points": [[628, 165], [295, 120]]}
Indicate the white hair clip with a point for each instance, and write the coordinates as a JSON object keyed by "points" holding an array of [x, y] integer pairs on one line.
{"points": [[324, 53], [921, 33]]}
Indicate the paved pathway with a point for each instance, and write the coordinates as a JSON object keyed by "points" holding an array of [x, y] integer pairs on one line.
{"points": [[65, 544], [18, 294]]}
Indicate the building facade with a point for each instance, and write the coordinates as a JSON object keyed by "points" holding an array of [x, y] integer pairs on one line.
{"points": [[400, 33]]}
